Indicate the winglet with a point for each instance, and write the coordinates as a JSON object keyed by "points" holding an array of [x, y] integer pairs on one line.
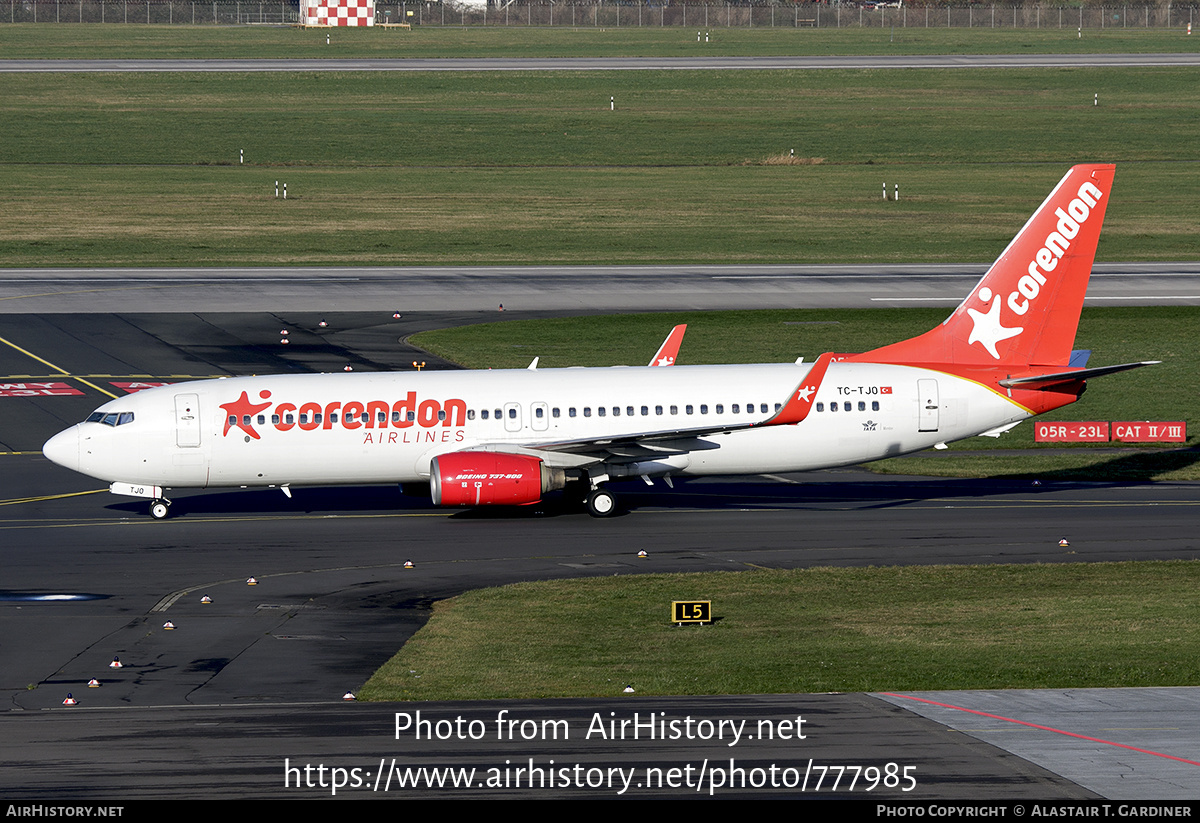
{"points": [[803, 396], [669, 350]]}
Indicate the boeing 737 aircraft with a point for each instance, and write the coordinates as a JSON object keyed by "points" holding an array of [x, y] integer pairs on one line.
{"points": [[511, 437]]}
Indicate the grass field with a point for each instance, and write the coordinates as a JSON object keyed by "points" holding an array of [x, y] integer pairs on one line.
{"points": [[814, 630], [47, 40], [534, 168]]}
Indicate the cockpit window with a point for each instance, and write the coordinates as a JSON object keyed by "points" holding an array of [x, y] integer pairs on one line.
{"points": [[110, 418]]}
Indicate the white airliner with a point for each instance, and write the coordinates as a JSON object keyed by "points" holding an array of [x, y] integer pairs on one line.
{"points": [[510, 437]]}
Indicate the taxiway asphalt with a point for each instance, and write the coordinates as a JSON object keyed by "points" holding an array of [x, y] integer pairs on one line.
{"points": [[698, 63], [572, 289]]}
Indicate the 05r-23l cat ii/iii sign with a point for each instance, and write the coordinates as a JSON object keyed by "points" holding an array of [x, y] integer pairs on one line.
{"points": [[510, 437]]}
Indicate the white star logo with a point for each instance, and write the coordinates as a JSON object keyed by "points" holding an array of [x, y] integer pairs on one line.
{"points": [[987, 330], [665, 361], [805, 393]]}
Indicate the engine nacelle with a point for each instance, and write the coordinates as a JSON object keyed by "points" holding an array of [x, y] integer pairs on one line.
{"points": [[491, 479]]}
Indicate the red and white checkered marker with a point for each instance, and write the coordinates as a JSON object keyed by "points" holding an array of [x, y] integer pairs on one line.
{"points": [[168, 626], [70, 701], [339, 13], [408, 564], [116, 664], [93, 683], [250, 581], [349, 696], [1064, 542], [206, 599]]}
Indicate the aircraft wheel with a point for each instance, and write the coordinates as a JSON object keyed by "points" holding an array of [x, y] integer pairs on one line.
{"points": [[601, 503], [158, 510]]}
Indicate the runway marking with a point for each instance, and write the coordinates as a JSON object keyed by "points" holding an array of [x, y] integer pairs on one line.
{"points": [[39, 498], [1044, 728], [5, 378], [1089, 297], [58, 369], [1151, 297], [88, 291]]}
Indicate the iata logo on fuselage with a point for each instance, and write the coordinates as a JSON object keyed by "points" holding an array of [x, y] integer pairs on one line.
{"points": [[354, 414], [987, 327]]}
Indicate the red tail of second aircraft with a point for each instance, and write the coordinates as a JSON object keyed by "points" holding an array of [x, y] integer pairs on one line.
{"points": [[1025, 310]]}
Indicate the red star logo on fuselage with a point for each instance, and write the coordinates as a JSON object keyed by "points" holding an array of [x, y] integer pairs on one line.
{"points": [[241, 410]]}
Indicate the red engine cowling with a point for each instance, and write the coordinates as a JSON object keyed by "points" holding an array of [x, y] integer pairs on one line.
{"points": [[491, 479]]}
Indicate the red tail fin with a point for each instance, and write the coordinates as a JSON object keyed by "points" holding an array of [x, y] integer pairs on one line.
{"points": [[1026, 308]]}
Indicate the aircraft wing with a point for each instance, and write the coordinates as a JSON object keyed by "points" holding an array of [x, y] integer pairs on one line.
{"points": [[660, 442]]}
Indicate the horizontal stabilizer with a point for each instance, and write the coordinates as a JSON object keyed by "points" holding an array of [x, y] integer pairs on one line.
{"points": [[1071, 376]]}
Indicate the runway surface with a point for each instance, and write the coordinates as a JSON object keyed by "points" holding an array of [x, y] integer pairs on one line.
{"points": [[571, 289], [931, 61], [250, 685]]}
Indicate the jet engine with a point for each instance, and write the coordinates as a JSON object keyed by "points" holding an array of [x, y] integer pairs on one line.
{"points": [[490, 479]]}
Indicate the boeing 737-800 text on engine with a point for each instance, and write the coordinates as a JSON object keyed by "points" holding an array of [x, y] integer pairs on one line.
{"points": [[510, 437]]}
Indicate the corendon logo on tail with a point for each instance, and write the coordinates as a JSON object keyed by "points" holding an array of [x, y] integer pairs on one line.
{"points": [[352, 414], [988, 328]]}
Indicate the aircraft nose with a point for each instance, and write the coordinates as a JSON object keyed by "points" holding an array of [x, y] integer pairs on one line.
{"points": [[63, 449]]}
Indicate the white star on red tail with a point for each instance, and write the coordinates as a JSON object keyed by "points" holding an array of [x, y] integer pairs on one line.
{"points": [[987, 330]]}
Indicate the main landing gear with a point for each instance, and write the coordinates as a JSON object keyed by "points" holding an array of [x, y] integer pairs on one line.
{"points": [[160, 508], [601, 503]]}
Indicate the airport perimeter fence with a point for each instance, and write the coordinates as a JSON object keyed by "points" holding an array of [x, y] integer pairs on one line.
{"points": [[600, 14]]}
